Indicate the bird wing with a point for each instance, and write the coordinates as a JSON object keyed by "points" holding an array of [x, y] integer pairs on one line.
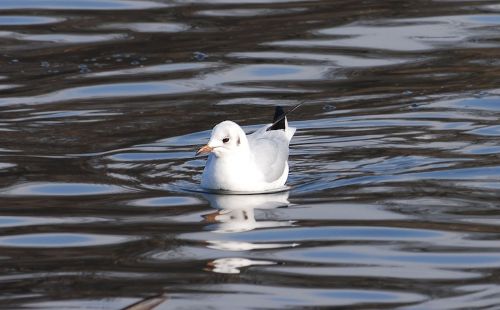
{"points": [[270, 151]]}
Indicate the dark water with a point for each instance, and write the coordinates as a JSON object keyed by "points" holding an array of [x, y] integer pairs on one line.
{"points": [[395, 166]]}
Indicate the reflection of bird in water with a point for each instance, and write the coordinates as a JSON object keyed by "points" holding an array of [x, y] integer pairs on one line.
{"points": [[247, 163], [236, 213], [232, 264]]}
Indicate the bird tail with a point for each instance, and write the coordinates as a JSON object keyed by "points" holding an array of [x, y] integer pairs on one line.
{"points": [[279, 120]]}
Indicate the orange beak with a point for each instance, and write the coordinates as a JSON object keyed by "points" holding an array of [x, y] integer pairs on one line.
{"points": [[204, 150]]}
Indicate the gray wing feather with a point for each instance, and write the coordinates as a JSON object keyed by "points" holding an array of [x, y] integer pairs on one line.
{"points": [[270, 151]]}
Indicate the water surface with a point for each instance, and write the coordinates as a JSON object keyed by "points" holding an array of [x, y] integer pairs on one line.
{"points": [[395, 169]]}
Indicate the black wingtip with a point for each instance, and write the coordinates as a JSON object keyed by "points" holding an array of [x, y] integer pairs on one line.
{"points": [[278, 120]]}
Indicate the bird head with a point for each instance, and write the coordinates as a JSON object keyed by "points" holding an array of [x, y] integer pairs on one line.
{"points": [[227, 137]]}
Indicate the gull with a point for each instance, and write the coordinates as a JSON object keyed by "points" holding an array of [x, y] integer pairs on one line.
{"points": [[257, 162]]}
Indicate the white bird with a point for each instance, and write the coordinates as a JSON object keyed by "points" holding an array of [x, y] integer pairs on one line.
{"points": [[257, 162]]}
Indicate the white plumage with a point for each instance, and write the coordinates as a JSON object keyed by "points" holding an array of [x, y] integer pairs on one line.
{"points": [[238, 162]]}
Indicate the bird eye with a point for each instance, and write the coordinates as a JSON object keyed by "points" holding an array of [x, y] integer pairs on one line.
{"points": [[225, 140]]}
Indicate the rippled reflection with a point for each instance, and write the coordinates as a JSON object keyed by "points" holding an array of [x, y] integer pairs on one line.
{"points": [[233, 265], [236, 213]]}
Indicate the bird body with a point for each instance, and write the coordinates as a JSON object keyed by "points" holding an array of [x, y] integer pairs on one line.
{"points": [[247, 163]]}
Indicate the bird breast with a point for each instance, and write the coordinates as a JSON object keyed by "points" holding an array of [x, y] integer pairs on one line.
{"points": [[230, 173]]}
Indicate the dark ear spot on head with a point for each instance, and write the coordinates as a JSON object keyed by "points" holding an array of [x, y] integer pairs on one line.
{"points": [[239, 141]]}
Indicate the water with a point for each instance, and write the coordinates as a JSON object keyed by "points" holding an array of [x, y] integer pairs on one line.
{"points": [[395, 168]]}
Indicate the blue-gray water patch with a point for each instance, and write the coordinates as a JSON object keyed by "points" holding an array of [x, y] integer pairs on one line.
{"points": [[61, 189], [20, 20], [78, 4], [60, 240]]}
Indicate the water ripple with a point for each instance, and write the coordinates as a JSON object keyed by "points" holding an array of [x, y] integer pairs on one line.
{"points": [[60, 189], [405, 35], [394, 169], [58, 240], [147, 27], [17, 20], [62, 38], [292, 296], [102, 91], [79, 5]]}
